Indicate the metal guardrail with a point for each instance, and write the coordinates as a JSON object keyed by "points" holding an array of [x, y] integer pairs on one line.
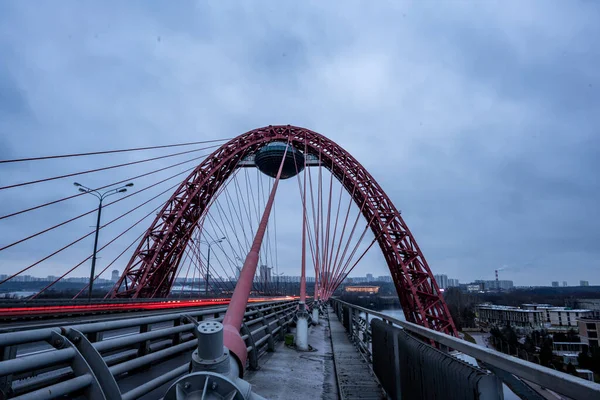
{"points": [[360, 332], [122, 359]]}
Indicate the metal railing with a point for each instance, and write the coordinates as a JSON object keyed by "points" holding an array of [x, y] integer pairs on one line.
{"points": [[123, 359], [511, 370]]}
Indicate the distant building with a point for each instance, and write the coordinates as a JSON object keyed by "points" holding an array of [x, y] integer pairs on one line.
{"points": [[442, 281], [496, 285], [554, 283], [362, 289], [560, 316], [589, 330], [563, 316], [505, 284], [585, 374], [589, 304], [569, 348], [564, 283], [546, 314], [265, 274], [370, 278], [489, 314], [453, 282], [115, 275], [474, 287], [584, 283], [384, 278], [536, 306]]}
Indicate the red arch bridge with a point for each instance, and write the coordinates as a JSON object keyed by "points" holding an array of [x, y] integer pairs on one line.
{"points": [[230, 326]]}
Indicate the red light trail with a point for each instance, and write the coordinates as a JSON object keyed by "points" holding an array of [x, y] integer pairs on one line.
{"points": [[34, 311]]}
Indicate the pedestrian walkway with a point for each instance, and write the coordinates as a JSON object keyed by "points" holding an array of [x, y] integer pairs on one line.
{"points": [[290, 374]]}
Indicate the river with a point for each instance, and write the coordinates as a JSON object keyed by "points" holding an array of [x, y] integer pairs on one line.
{"points": [[392, 312]]}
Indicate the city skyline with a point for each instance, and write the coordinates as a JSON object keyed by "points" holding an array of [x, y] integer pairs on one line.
{"points": [[443, 280]]}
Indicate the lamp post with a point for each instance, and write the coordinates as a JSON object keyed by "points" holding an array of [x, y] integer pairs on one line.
{"points": [[101, 197], [209, 244]]}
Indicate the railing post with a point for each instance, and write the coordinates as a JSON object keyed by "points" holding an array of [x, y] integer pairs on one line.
{"points": [[144, 347], [253, 353], [177, 336], [94, 337], [6, 353], [270, 340], [352, 324]]}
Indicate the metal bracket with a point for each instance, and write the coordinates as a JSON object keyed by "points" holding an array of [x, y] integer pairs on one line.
{"points": [[252, 354], [80, 367], [192, 320], [96, 363]]}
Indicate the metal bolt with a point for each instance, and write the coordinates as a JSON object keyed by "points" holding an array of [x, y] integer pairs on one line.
{"points": [[187, 385], [76, 339], [214, 386]]}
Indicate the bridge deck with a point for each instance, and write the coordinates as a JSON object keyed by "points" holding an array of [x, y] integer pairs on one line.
{"points": [[288, 373]]}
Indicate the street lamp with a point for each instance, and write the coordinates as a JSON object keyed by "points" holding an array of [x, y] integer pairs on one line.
{"points": [[238, 269], [209, 244], [100, 196]]}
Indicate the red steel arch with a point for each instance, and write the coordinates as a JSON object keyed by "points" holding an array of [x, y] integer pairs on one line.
{"points": [[153, 265]]}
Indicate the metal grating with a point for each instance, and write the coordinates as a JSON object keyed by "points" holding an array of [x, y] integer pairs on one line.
{"points": [[354, 376]]}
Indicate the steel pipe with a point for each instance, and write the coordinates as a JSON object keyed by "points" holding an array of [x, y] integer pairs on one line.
{"points": [[58, 390], [152, 357], [155, 383], [112, 344], [35, 361], [21, 337], [129, 323]]}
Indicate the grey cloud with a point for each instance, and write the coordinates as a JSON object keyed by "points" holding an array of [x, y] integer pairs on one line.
{"points": [[480, 123]]}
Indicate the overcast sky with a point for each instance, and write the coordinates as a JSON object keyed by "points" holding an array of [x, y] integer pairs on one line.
{"points": [[479, 119]]}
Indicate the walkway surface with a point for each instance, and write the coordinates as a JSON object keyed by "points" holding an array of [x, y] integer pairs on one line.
{"points": [[290, 374]]}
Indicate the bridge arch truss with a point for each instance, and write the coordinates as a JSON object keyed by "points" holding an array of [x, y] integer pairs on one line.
{"points": [[152, 268]]}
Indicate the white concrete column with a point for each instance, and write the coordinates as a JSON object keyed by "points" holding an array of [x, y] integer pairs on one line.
{"points": [[302, 328], [302, 333], [315, 315]]}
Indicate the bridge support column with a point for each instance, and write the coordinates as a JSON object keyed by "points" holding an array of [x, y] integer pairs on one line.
{"points": [[315, 313], [302, 328], [214, 371]]}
